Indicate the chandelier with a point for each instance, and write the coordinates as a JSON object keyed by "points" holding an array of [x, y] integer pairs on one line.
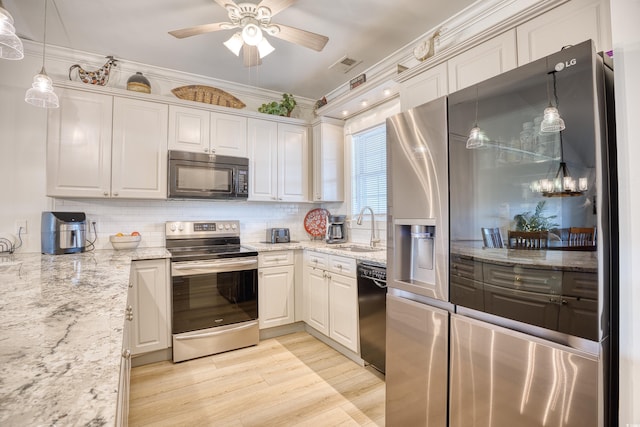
{"points": [[563, 184]]}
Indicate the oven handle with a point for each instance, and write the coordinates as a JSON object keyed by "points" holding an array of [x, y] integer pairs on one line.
{"points": [[212, 334], [218, 266]]}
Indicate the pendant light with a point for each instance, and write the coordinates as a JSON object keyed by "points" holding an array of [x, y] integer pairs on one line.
{"points": [[41, 93], [552, 122], [563, 184], [10, 44], [477, 137]]}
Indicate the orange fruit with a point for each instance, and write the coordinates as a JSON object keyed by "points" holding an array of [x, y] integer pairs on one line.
{"points": [[135, 233]]}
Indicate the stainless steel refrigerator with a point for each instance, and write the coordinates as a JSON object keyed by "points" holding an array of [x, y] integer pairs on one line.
{"points": [[418, 308], [502, 253]]}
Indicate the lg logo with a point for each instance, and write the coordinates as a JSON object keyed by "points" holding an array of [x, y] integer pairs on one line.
{"points": [[562, 65]]}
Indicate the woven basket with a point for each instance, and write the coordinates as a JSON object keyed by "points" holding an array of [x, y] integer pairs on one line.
{"points": [[207, 95]]}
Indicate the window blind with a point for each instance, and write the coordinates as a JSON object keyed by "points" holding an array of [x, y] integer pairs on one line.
{"points": [[369, 170]]}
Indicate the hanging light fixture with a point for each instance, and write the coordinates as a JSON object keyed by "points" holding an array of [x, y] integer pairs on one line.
{"points": [[477, 137], [251, 34], [563, 184], [552, 122], [41, 93], [10, 44]]}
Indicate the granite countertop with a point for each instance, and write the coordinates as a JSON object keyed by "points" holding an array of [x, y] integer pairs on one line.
{"points": [[564, 260], [62, 322], [379, 256]]}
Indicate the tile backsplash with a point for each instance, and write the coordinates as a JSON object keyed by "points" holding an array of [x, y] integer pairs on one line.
{"points": [[149, 216]]}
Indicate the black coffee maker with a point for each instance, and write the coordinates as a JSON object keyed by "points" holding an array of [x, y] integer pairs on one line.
{"points": [[336, 229]]}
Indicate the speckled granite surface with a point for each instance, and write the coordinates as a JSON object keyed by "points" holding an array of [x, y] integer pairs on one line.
{"points": [[61, 339], [565, 260], [320, 246]]}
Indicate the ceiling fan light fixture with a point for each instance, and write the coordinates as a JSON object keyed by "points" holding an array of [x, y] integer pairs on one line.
{"points": [[265, 48], [235, 43], [252, 34], [10, 44]]}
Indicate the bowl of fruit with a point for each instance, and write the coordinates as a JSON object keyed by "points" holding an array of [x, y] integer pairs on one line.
{"points": [[125, 241]]}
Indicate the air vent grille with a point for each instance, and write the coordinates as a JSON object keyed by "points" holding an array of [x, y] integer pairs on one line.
{"points": [[345, 64]]}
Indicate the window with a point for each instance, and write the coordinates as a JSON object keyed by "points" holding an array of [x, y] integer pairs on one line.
{"points": [[369, 171]]}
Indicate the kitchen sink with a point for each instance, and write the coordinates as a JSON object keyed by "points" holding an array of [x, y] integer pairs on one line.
{"points": [[356, 248]]}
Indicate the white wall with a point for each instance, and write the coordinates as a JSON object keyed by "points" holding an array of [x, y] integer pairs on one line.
{"points": [[626, 47]]}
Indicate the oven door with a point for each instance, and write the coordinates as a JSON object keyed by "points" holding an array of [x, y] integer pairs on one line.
{"points": [[214, 306], [214, 293]]}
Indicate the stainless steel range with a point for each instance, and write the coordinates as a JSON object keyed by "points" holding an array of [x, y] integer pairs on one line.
{"points": [[214, 288]]}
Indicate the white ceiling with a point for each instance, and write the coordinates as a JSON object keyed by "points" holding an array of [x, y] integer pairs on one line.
{"points": [[136, 30]]}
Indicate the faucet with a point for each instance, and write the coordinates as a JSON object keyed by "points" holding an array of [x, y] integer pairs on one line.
{"points": [[373, 240]]}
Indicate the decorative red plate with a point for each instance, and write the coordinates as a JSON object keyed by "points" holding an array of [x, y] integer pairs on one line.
{"points": [[315, 223]]}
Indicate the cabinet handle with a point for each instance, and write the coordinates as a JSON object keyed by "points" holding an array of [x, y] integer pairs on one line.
{"points": [[126, 353], [131, 284], [518, 279], [339, 266], [213, 150], [206, 150], [105, 194], [115, 194]]}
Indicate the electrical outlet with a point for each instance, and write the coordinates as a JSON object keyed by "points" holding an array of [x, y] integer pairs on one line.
{"points": [[22, 223]]}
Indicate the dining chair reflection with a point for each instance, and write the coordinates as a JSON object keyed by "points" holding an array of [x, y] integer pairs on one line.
{"points": [[582, 236], [528, 239]]}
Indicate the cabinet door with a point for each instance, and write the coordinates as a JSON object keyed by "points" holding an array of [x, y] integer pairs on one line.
{"points": [[263, 158], [328, 163], [188, 129], [569, 24], [486, 60], [139, 153], [424, 87], [276, 296], [228, 135], [293, 163], [150, 329], [343, 310], [79, 145], [316, 299]]}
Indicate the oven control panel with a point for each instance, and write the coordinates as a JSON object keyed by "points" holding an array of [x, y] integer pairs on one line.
{"points": [[187, 229]]}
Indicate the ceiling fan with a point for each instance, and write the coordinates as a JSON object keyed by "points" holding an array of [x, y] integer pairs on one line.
{"points": [[253, 20]]}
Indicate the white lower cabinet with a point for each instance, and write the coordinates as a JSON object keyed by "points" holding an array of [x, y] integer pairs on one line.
{"points": [[331, 297], [150, 306], [122, 409], [276, 293]]}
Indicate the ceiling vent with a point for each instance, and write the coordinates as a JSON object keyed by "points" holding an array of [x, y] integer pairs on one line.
{"points": [[345, 64]]}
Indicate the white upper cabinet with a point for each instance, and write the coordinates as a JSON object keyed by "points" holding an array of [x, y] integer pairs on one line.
{"points": [[104, 146], [425, 87], [228, 135], [568, 24], [201, 131], [139, 151], [493, 57], [188, 129], [279, 161], [328, 162]]}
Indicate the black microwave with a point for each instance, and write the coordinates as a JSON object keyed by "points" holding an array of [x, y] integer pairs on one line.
{"points": [[207, 176]]}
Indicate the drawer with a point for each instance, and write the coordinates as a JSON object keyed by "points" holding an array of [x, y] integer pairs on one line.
{"points": [[275, 258], [342, 265], [465, 267], [543, 281], [316, 260], [580, 284]]}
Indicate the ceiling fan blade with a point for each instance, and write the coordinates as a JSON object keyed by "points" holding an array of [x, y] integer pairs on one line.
{"points": [[304, 38], [200, 29], [250, 57], [224, 3], [276, 6]]}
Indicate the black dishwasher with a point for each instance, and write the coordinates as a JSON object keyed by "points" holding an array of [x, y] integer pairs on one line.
{"points": [[372, 294]]}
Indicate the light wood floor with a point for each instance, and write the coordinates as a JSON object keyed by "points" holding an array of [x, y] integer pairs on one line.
{"points": [[292, 380]]}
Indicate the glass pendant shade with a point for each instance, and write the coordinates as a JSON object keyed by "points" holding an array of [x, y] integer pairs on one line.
{"points": [[10, 44], [477, 138], [265, 48], [234, 44], [552, 122], [252, 34], [41, 93]]}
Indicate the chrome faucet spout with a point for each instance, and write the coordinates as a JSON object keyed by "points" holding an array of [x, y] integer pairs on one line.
{"points": [[373, 240]]}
